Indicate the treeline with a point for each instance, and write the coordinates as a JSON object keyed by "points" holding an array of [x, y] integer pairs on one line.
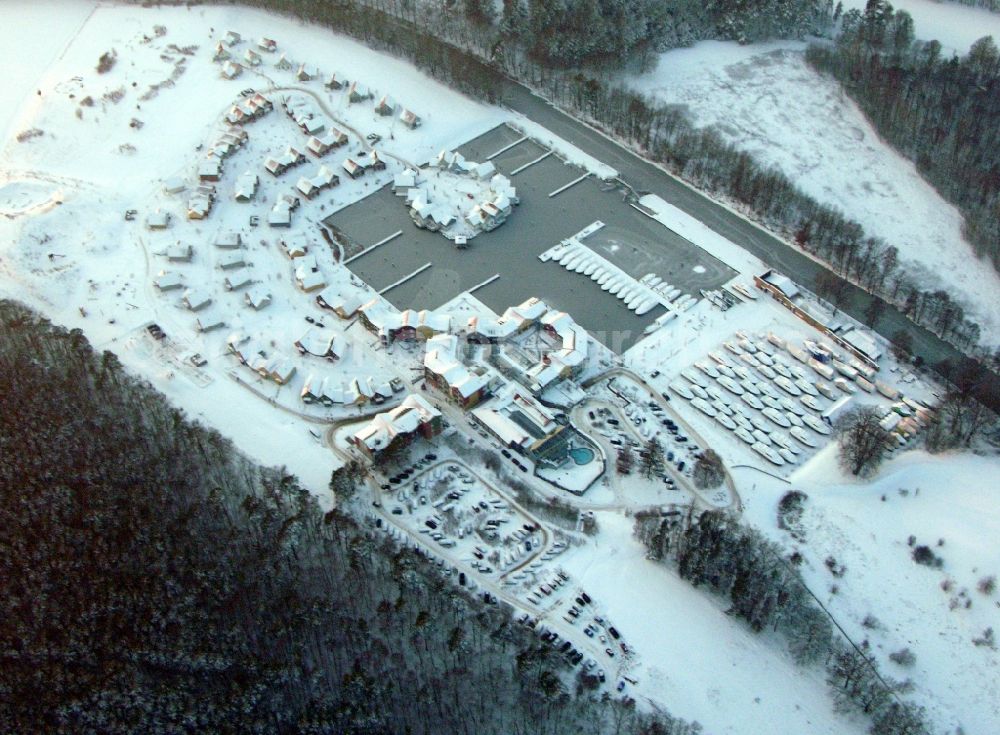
{"points": [[156, 581], [764, 589], [941, 112]]}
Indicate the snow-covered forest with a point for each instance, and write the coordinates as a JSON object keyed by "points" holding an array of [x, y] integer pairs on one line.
{"points": [[156, 580]]}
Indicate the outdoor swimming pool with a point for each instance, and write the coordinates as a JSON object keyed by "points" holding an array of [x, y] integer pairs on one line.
{"points": [[581, 455]]}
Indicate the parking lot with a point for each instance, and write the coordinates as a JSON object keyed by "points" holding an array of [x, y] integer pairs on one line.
{"points": [[634, 242], [481, 539]]}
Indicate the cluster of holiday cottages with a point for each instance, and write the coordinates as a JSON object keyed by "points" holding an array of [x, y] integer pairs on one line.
{"points": [[428, 212], [233, 64], [329, 391], [237, 276]]}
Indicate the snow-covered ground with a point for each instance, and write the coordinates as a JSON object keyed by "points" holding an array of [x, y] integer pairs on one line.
{"points": [[765, 99], [28, 55], [693, 656], [956, 26], [936, 613]]}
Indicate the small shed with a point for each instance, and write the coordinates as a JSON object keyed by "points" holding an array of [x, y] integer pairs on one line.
{"points": [[195, 300], [168, 281], [409, 119], [158, 220], [257, 297]]}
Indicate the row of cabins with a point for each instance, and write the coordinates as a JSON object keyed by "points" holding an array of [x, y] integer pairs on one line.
{"points": [[276, 367], [304, 113], [253, 108], [360, 164], [209, 172], [331, 391], [324, 178], [390, 325], [412, 418]]}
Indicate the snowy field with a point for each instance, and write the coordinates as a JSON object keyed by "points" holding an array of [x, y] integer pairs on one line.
{"points": [[935, 612], [765, 99]]}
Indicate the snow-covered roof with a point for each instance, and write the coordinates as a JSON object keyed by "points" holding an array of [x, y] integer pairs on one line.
{"points": [[258, 296], [406, 418]]}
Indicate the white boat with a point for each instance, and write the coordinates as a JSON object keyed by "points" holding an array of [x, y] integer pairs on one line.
{"points": [[727, 371], [569, 261], [760, 423], [750, 387], [811, 403], [566, 255], [744, 290], [722, 407], [607, 285], [787, 455], [673, 293], [783, 440], [764, 346], [767, 389], [788, 386], [605, 276], [744, 372], [707, 368], [742, 421], [752, 401], [731, 385], [802, 436], [682, 390], [699, 392], [749, 359], [789, 405], [725, 421], [767, 372], [637, 300], [816, 425], [695, 377], [793, 419], [623, 290], [748, 345], [646, 306], [743, 435], [826, 389], [733, 347], [592, 267], [771, 402], [769, 454], [846, 386], [777, 417], [775, 340], [807, 387], [704, 406], [719, 358], [764, 359], [782, 370], [654, 281], [761, 436]]}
